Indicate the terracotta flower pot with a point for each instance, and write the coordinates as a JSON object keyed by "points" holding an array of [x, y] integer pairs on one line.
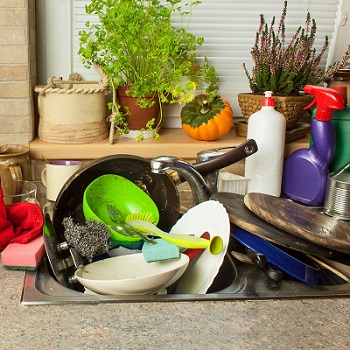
{"points": [[137, 117], [292, 107]]}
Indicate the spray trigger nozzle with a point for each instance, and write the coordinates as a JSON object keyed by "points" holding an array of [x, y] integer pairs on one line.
{"points": [[326, 99], [311, 104]]}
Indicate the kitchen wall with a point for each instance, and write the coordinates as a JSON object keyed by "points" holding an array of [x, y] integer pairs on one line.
{"points": [[18, 71], [18, 75]]}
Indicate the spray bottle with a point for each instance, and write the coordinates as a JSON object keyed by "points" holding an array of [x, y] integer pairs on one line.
{"points": [[341, 122], [264, 168], [306, 170]]}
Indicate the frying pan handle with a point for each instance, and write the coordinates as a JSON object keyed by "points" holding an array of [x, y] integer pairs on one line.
{"points": [[242, 151], [260, 260]]}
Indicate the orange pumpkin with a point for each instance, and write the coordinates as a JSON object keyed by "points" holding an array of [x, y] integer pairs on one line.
{"points": [[206, 121]]}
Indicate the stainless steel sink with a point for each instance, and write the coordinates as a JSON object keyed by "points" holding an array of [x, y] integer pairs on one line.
{"points": [[235, 281]]}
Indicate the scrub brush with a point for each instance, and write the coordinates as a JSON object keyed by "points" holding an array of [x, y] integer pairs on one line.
{"points": [[145, 216], [123, 227]]}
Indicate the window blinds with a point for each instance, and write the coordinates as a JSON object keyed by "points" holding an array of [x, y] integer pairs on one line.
{"points": [[228, 28]]}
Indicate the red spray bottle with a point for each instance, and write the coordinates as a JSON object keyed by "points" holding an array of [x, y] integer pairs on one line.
{"points": [[305, 171]]}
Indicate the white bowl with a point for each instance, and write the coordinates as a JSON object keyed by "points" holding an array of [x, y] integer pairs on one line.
{"points": [[131, 274]]}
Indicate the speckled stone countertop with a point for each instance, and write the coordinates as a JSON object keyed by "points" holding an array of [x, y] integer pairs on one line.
{"points": [[271, 324]]}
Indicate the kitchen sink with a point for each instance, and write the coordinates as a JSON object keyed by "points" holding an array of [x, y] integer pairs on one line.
{"points": [[235, 281]]}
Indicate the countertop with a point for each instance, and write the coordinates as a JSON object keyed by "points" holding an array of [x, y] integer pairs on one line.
{"points": [[266, 324]]}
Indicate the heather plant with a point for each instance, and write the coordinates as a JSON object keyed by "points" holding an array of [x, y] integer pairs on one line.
{"points": [[286, 68]]}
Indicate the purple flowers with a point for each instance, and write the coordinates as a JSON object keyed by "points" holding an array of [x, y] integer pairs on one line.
{"points": [[285, 68]]}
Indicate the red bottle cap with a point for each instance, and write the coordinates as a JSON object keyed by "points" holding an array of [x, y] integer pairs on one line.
{"points": [[268, 101]]}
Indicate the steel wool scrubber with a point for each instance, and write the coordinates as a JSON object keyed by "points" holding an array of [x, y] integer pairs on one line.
{"points": [[89, 240]]}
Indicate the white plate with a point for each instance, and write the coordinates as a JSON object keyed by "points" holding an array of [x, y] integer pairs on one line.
{"points": [[130, 274], [210, 216]]}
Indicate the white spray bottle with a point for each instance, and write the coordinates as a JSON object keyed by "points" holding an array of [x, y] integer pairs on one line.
{"points": [[265, 168]]}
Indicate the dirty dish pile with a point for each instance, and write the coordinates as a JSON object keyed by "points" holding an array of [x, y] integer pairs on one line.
{"points": [[130, 275], [157, 191]]}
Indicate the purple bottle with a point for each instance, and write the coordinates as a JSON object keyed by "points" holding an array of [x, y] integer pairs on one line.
{"points": [[305, 171]]}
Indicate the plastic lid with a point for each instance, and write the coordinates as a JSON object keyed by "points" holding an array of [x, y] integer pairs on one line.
{"points": [[268, 101]]}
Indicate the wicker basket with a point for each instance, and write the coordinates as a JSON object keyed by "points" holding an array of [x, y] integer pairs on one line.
{"points": [[72, 111], [241, 128], [292, 107]]}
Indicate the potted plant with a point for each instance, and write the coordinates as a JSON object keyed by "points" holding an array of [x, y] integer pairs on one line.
{"points": [[145, 57], [285, 68]]}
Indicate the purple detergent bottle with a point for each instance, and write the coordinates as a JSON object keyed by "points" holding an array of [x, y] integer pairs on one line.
{"points": [[305, 171]]}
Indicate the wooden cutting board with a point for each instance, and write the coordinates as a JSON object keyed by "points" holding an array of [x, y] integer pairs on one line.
{"points": [[301, 221], [241, 216]]}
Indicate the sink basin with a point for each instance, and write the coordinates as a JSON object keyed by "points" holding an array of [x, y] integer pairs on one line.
{"points": [[235, 281]]}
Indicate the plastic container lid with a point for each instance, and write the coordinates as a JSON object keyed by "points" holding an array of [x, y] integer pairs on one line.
{"points": [[268, 101]]}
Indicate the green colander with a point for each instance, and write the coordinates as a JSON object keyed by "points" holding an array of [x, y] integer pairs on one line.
{"points": [[124, 195]]}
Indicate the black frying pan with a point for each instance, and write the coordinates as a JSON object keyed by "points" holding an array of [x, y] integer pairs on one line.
{"points": [[136, 169], [160, 187]]}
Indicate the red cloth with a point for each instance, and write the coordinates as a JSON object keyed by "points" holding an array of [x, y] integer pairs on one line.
{"points": [[27, 220], [19, 222], [6, 228]]}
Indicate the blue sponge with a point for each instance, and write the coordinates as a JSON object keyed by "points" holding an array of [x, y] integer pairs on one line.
{"points": [[163, 250]]}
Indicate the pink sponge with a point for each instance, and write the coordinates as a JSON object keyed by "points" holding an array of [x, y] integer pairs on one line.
{"points": [[17, 256]]}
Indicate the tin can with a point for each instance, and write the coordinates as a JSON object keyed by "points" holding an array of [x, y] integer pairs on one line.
{"points": [[337, 201]]}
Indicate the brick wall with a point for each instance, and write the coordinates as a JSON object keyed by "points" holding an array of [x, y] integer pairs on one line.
{"points": [[18, 71]]}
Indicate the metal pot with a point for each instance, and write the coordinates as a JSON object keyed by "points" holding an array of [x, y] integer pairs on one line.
{"points": [[201, 176]]}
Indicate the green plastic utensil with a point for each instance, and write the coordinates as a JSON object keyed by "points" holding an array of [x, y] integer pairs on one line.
{"points": [[123, 227], [214, 245], [121, 193]]}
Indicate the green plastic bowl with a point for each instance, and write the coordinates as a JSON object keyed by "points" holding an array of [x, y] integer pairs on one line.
{"points": [[120, 192]]}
